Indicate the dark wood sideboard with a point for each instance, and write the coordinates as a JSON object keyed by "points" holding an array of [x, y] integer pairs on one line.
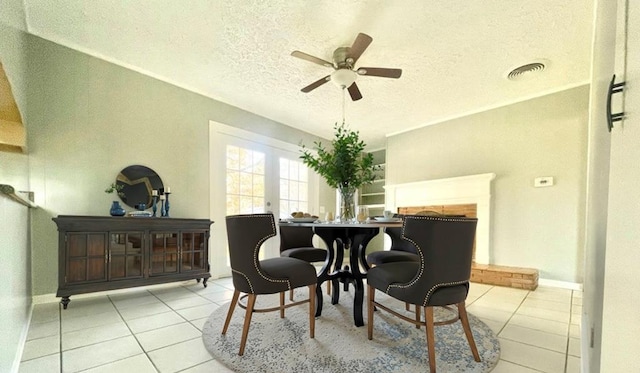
{"points": [[98, 253]]}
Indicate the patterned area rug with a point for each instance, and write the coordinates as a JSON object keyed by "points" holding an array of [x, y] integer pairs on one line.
{"points": [[283, 345]]}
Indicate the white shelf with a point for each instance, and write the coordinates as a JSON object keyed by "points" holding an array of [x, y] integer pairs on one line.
{"points": [[372, 194], [379, 205]]}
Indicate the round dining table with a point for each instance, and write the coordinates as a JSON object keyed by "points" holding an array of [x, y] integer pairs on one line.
{"points": [[338, 238]]}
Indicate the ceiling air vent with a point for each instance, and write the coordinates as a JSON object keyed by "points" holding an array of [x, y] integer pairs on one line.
{"points": [[525, 70]]}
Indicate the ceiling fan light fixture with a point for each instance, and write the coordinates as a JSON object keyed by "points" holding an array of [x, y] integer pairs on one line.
{"points": [[343, 78]]}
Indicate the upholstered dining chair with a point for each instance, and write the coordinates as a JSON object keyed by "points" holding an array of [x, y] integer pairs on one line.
{"points": [[439, 278], [253, 277], [297, 242], [400, 250]]}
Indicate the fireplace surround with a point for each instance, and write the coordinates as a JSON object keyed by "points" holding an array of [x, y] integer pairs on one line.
{"points": [[469, 196], [471, 189]]}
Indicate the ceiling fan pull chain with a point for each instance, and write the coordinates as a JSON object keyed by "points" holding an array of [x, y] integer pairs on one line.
{"points": [[343, 120]]}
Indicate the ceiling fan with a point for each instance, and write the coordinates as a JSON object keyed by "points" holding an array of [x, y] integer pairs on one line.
{"points": [[344, 74]]}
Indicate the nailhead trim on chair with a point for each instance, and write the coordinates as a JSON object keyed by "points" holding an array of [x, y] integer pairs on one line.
{"points": [[435, 287], [246, 278], [437, 218], [402, 236], [257, 248]]}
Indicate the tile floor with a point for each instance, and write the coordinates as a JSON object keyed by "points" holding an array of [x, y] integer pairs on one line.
{"points": [[158, 329]]}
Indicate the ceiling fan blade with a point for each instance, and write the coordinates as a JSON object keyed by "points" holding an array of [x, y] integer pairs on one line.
{"points": [[380, 71], [359, 45], [316, 84], [354, 92], [311, 58]]}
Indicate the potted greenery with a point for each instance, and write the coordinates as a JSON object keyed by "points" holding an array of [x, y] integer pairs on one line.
{"points": [[345, 166]]}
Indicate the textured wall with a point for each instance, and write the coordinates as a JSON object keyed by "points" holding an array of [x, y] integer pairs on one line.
{"points": [[15, 272], [531, 227]]}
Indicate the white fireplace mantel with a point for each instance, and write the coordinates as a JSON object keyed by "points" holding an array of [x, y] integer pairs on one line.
{"points": [[451, 191]]}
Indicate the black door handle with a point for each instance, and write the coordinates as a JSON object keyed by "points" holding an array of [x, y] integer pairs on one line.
{"points": [[613, 88]]}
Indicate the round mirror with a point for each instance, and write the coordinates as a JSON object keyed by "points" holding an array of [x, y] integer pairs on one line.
{"points": [[137, 183]]}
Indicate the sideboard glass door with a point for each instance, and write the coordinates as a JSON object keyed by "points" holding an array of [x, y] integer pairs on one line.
{"points": [[164, 253], [125, 255]]}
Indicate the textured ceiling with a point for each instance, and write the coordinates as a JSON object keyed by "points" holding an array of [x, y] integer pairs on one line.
{"points": [[454, 54]]}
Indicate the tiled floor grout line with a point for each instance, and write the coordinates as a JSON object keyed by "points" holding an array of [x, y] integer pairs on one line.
{"points": [[513, 313], [188, 321], [132, 333], [566, 353], [60, 333], [566, 363]]}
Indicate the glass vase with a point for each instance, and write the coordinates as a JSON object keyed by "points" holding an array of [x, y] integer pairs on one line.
{"points": [[347, 204]]}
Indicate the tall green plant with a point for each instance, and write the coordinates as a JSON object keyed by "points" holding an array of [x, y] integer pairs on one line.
{"points": [[345, 165]]}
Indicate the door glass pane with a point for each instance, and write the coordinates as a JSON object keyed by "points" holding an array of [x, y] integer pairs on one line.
{"points": [[117, 267], [294, 185], [258, 163], [164, 253], [134, 266], [245, 181]]}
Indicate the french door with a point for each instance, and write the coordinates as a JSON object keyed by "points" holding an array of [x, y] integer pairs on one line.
{"points": [[251, 173]]}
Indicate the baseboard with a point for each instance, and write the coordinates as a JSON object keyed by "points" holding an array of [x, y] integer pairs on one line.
{"points": [[560, 284], [23, 340], [45, 298]]}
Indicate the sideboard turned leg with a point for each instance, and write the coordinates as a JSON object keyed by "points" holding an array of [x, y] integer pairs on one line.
{"points": [[65, 302], [204, 282]]}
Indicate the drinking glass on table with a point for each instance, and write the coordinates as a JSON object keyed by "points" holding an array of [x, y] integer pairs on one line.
{"points": [[328, 217], [363, 214]]}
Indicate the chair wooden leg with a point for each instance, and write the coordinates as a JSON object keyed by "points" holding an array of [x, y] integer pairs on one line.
{"points": [[417, 316], [282, 304], [232, 307], [408, 307], [247, 321], [431, 345], [371, 293], [464, 319], [312, 311], [328, 287]]}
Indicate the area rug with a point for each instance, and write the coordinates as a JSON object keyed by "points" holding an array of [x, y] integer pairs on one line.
{"points": [[283, 345]]}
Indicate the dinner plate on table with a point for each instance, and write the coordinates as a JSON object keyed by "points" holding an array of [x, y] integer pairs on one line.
{"points": [[380, 219], [301, 220]]}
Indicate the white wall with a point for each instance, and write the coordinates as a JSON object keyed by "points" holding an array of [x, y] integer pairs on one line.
{"points": [[599, 143], [90, 119], [15, 271], [620, 322], [532, 227]]}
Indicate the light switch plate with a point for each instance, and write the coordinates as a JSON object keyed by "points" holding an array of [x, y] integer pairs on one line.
{"points": [[545, 181]]}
